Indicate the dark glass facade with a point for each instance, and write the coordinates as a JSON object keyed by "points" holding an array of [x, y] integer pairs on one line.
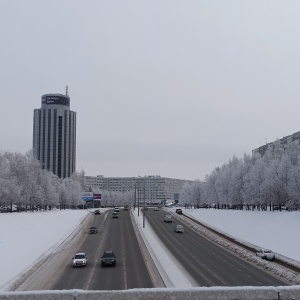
{"points": [[54, 135]]}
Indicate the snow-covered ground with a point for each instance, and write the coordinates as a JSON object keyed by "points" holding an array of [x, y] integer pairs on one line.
{"points": [[237, 225], [26, 237], [275, 230]]}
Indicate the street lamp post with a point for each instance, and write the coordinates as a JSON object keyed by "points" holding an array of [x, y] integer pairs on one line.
{"points": [[134, 196], [144, 215], [138, 198]]}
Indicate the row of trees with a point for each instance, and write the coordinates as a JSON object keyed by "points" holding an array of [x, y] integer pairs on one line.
{"points": [[253, 180], [24, 183], [113, 198]]}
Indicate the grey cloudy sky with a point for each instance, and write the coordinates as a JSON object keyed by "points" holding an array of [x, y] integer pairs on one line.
{"points": [[160, 87]]}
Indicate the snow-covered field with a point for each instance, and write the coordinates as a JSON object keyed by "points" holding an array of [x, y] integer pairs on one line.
{"points": [[275, 230], [26, 237]]}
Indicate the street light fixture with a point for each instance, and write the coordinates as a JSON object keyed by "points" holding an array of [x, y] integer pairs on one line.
{"points": [[144, 215]]}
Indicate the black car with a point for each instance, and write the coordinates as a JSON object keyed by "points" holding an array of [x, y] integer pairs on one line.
{"points": [[108, 259], [93, 229], [179, 211]]}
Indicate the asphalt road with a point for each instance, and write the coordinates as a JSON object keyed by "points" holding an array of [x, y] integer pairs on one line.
{"points": [[113, 234], [207, 263]]}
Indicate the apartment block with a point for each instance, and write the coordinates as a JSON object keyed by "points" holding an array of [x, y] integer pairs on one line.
{"points": [[153, 188], [290, 138]]}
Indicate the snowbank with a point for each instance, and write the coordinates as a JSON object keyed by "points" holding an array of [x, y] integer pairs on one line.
{"points": [[28, 236]]}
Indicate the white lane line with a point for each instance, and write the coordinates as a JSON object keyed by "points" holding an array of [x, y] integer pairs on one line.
{"points": [[124, 261]]}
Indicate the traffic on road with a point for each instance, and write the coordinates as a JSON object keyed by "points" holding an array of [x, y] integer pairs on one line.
{"points": [[108, 253]]}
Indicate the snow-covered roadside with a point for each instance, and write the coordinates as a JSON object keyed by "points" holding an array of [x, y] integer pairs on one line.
{"points": [[276, 230], [27, 237], [291, 276]]}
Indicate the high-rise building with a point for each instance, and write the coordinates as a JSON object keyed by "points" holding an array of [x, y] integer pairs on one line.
{"points": [[54, 135]]}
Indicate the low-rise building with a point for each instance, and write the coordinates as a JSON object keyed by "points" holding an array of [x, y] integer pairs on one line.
{"points": [[151, 188]]}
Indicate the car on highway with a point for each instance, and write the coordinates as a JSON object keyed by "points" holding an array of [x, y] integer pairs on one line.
{"points": [[117, 209], [156, 208], [93, 229], [108, 258], [266, 254], [179, 229], [168, 218], [178, 211], [97, 212], [80, 260], [115, 215]]}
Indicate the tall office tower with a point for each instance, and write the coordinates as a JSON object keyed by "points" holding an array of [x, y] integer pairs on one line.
{"points": [[54, 135]]}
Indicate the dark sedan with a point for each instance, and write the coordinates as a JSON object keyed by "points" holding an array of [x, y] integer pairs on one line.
{"points": [[108, 259]]}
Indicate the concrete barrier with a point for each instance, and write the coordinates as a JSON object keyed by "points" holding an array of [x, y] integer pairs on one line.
{"points": [[209, 293]]}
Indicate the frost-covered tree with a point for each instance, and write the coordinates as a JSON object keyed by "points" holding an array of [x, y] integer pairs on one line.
{"points": [[80, 177], [24, 183], [186, 195], [72, 192], [294, 187]]}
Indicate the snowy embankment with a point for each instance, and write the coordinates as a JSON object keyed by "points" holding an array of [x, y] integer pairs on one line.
{"points": [[26, 237], [274, 230], [252, 228]]}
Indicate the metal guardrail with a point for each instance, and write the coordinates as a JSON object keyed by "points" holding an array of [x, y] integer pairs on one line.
{"points": [[207, 293]]}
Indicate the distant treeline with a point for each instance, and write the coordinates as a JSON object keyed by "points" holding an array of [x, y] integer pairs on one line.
{"points": [[270, 181]]}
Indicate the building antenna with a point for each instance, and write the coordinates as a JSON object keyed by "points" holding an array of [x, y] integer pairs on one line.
{"points": [[67, 91]]}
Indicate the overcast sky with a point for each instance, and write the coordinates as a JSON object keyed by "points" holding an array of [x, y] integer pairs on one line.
{"points": [[160, 87]]}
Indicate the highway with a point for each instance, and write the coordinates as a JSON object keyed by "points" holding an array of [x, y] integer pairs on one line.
{"points": [[113, 234], [207, 263]]}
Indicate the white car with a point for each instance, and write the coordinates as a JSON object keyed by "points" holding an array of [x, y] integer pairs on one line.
{"points": [[266, 254], [168, 218], [80, 260], [179, 228], [115, 215]]}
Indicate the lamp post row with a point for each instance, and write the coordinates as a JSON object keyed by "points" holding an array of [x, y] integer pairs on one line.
{"points": [[137, 191]]}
